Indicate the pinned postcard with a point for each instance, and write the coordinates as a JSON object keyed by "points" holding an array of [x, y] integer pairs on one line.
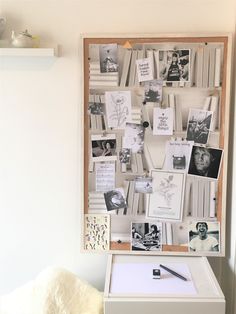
{"points": [[108, 55], [115, 199], [153, 91], [143, 185], [199, 123], [163, 121], [204, 236], [146, 236], [178, 153], [125, 156], [96, 232], [105, 176], [103, 147], [134, 137], [118, 108], [174, 65], [144, 69]]}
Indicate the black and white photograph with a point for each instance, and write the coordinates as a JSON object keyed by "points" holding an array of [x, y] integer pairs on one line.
{"points": [[204, 236], [125, 156], [115, 199], [134, 137], [146, 236], [96, 108], [198, 127], [205, 162], [108, 56], [103, 147], [174, 65], [143, 184], [153, 91]]}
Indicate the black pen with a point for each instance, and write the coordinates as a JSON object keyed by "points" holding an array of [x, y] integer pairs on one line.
{"points": [[173, 272]]}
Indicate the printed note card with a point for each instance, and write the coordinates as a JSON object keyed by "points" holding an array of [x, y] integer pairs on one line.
{"points": [[144, 69], [163, 121]]}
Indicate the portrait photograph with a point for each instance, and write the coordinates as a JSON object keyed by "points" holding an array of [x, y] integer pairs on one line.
{"points": [[204, 236], [108, 56], [103, 147], [198, 127], [205, 162], [153, 91], [115, 199], [174, 65], [146, 236]]}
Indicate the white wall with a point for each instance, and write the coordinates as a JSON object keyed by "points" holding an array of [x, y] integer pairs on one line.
{"points": [[40, 135]]}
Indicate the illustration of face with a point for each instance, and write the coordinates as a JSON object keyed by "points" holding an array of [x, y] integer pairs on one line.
{"points": [[202, 159], [202, 230]]}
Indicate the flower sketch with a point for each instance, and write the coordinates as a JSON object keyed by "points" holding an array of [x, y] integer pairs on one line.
{"points": [[120, 110], [166, 189]]}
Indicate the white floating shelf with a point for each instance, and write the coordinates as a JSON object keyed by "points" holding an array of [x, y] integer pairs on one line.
{"points": [[28, 52]]}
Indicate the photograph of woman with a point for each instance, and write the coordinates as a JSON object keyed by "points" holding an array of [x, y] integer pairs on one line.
{"points": [[146, 236]]}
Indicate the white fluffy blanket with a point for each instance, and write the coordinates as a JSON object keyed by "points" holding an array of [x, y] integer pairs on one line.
{"points": [[54, 291]]}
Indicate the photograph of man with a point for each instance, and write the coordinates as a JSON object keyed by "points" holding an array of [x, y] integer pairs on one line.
{"points": [[204, 240], [205, 162]]}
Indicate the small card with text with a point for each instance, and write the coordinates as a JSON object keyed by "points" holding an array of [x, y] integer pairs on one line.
{"points": [[163, 121], [144, 69]]}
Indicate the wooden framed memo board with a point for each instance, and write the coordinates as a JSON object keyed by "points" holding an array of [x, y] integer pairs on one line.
{"points": [[156, 123]]}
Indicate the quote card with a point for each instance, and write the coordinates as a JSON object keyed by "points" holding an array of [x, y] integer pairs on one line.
{"points": [[144, 69], [97, 232], [163, 120]]}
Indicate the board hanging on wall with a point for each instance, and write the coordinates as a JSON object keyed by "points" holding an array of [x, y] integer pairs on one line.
{"points": [[156, 125]]}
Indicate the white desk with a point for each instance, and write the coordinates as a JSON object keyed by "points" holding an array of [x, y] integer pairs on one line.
{"points": [[130, 287]]}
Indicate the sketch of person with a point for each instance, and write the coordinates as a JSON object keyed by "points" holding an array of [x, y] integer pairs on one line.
{"points": [[203, 241]]}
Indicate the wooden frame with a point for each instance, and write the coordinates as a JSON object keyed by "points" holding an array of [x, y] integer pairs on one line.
{"points": [[224, 41]]}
